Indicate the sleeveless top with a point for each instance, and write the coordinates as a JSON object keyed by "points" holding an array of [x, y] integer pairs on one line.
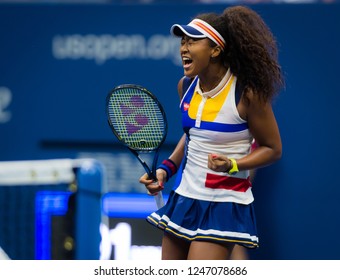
{"points": [[212, 125]]}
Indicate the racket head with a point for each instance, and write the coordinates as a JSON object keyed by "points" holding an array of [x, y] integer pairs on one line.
{"points": [[136, 117]]}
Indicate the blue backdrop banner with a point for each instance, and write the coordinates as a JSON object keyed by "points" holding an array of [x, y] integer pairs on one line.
{"points": [[58, 63]]}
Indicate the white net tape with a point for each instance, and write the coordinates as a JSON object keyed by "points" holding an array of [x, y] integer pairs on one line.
{"points": [[53, 171]]}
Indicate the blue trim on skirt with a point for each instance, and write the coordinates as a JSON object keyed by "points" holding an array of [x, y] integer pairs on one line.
{"points": [[199, 220]]}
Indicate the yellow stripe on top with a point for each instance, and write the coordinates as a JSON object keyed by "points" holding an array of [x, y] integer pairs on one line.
{"points": [[212, 106]]}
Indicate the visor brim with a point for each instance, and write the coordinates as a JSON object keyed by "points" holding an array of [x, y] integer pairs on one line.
{"points": [[180, 30]]}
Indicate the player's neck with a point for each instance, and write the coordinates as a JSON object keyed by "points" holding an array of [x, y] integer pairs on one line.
{"points": [[216, 82]]}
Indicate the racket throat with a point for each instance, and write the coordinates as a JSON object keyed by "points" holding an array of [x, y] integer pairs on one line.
{"points": [[151, 172]]}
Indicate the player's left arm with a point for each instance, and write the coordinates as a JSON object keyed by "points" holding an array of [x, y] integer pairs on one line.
{"points": [[263, 126]]}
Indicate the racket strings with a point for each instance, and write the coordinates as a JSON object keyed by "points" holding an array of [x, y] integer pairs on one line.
{"points": [[137, 118]]}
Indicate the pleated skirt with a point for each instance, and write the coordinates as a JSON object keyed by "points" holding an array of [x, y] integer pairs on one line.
{"points": [[199, 220]]}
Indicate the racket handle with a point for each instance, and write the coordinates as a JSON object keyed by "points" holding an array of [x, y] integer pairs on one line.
{"points": [[159, 200]]}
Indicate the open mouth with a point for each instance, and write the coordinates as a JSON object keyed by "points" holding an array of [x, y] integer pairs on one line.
{"points": [[186, 62]]}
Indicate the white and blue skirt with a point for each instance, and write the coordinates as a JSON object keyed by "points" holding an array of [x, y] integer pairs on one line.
{"points": [[199, 220]]}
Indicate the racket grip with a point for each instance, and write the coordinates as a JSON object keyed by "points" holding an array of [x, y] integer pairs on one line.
{"points": [[159, 200]]}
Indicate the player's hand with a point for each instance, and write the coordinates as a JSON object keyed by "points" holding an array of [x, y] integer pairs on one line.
{"points": [[154, 187], [218, 163]]}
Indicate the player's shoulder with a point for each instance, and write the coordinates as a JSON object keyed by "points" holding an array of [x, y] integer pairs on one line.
{"points": [[183, 85]]}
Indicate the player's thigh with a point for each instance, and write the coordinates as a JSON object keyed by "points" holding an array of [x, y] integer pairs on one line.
{"points": [[239, 253], [202, 250], [174, 248]]}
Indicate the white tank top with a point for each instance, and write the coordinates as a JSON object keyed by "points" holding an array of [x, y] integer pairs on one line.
{"points": [[213, 125]]}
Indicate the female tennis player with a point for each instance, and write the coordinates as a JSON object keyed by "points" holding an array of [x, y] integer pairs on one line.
{"points": [[230, 61]]}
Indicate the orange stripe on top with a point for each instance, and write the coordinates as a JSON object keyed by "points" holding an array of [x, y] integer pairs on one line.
{"points": [[211, 32]]}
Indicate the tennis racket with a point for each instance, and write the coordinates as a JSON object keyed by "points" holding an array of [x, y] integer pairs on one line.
{"points": [[138, 120]]}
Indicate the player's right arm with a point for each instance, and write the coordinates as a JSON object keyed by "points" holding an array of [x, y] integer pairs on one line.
{"points": [[176, 157]]}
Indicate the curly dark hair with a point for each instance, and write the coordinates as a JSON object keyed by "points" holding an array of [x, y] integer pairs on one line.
{"points": [[251, 50]]}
